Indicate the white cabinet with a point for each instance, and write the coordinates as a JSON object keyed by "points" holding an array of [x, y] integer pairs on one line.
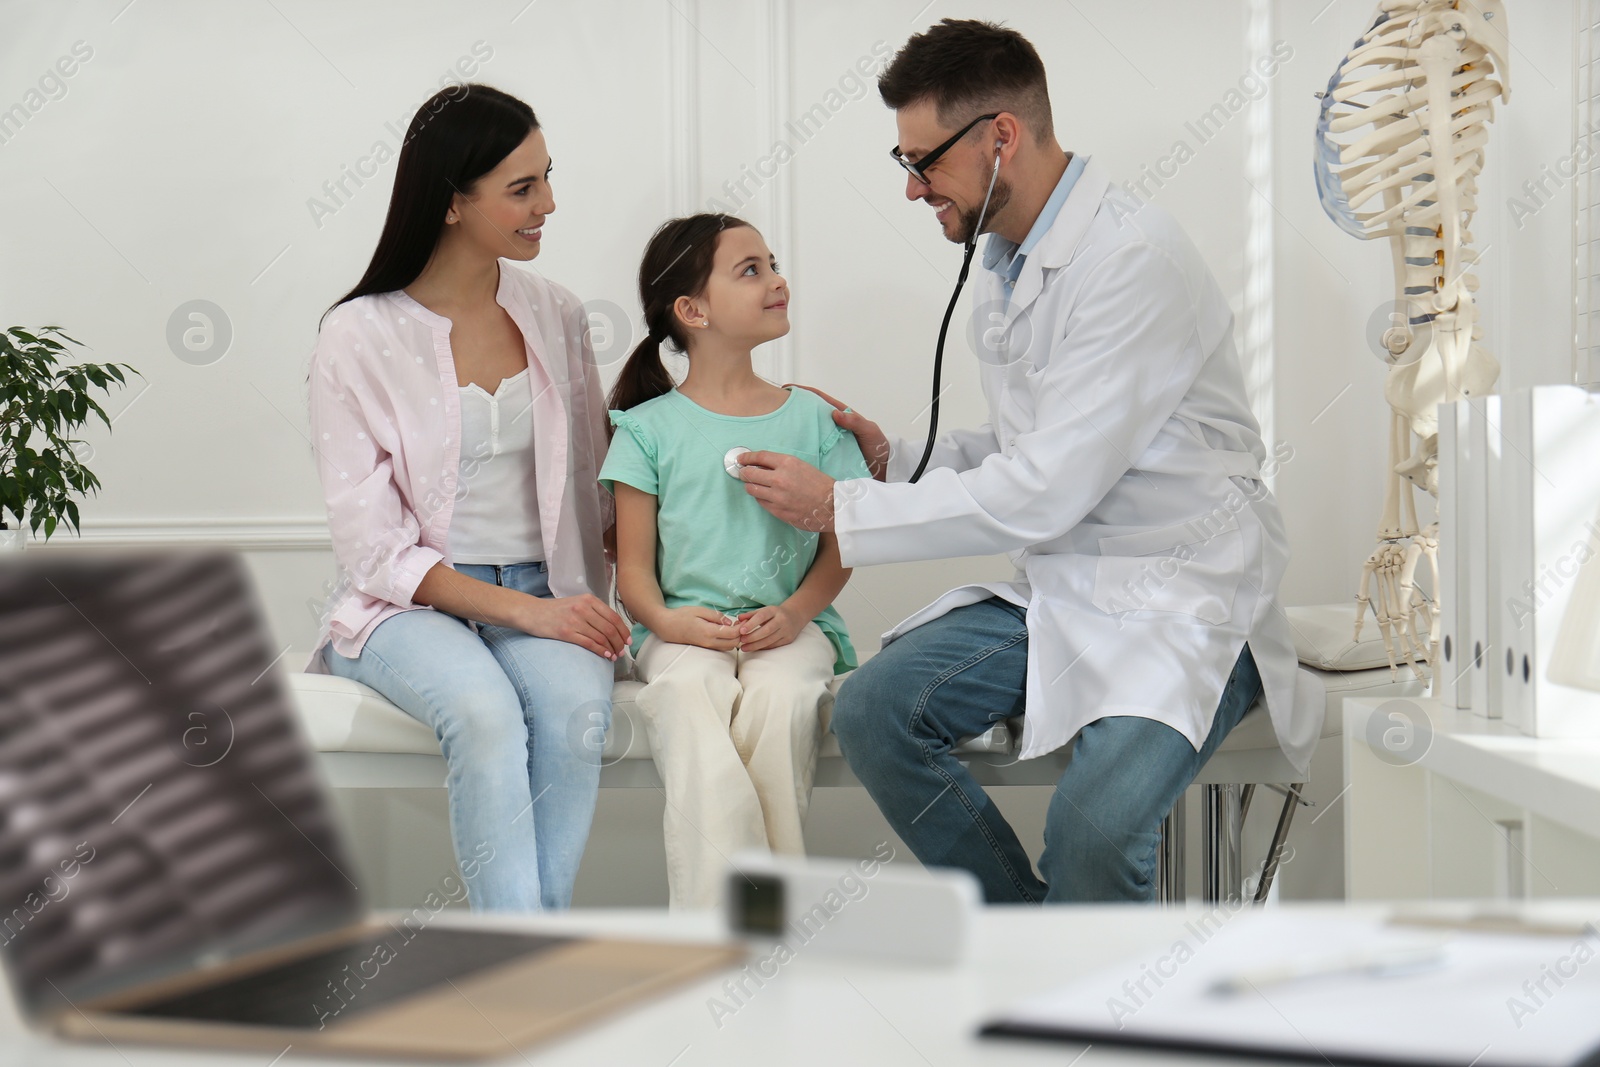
{"points": [[1441, 803]]}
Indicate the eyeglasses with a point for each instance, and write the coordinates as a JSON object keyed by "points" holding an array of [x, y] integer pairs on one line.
{"points": [[919, 169]]}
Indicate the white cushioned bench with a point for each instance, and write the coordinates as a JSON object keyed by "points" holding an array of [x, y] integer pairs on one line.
{"points": [[364, 742]]}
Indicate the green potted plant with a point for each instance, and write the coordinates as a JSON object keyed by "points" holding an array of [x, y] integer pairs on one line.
{"points": [[42, 402]]}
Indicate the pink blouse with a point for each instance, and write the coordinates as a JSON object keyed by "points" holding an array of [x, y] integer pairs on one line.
{"points": [[386, 429]]}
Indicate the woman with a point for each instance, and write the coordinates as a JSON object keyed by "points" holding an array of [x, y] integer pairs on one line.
{"points": [[459, 428]]}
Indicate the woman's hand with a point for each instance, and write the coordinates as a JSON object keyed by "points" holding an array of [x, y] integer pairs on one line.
{"points": [[703, 627], [771, 627], [873, 441], [583, 620]]}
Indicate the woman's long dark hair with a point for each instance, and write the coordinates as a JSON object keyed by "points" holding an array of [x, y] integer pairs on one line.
{"points": [[458, 136], [677, 262]]}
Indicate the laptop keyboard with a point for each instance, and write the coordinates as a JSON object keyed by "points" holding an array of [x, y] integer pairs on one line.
{"points": [[332, 986]]}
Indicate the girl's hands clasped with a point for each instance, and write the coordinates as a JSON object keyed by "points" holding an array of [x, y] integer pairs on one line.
{"points": [[703, 627], [771, 627], [754, 631]]}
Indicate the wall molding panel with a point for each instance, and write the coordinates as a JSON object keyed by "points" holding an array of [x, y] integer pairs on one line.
{"points": [[781, 189], [682, 101], [244, 535]]}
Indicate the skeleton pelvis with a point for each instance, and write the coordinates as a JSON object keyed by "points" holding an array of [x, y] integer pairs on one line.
{"points": [[1449, 368]]}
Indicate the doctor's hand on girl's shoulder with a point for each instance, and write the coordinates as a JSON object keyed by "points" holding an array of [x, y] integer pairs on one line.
{"points": [[703, 627], [874, 443], [584, 620], [771, 627]]}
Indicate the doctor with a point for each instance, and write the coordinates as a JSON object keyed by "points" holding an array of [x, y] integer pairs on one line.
{"points": [[1120, 469]]}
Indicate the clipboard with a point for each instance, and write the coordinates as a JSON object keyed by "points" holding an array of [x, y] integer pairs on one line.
{"points": [[1497, 997]]}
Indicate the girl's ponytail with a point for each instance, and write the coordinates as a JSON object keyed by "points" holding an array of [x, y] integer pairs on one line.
{"points": [[644, 376], [677, 262]]}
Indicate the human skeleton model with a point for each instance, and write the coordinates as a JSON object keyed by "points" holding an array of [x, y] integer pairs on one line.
{"points": [[1400, 143]]}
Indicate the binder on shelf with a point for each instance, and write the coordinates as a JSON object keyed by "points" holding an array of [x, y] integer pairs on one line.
{"points": [[1516, 477], [1561, 532], [1477, 645], [1449, 686], [1497, 465]]}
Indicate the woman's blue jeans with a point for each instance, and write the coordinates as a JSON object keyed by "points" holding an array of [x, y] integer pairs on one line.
{"points": [[520, 720], [900, 714]]}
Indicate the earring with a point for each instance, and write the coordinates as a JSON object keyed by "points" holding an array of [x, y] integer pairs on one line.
{"points": [[704, 323], [450, 217]]}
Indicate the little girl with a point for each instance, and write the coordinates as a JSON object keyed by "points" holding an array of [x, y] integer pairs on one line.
{"points": [[735, 635]]}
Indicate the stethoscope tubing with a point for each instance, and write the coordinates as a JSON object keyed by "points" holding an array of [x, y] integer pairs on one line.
{"points": [[944, 326]]}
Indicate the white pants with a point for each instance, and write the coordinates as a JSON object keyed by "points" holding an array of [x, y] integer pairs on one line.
{"points": [[734, 735]]}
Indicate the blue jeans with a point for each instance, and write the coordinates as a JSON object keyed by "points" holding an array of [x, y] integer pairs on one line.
{"points": [[898, 716], [520, 720]]}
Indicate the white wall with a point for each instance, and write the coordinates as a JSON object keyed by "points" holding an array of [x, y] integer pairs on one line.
{"points": [[181, 162], [181, 159]]}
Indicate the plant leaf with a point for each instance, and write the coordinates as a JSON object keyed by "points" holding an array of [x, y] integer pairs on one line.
{"points": [[42, 400]]}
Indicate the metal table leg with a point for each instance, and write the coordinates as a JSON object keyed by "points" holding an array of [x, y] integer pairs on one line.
{"points": [[1170, 888], [1280, 835], [1222, 828]]}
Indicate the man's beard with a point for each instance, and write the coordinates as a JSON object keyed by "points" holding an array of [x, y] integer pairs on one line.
{"points": [[968, 229]]}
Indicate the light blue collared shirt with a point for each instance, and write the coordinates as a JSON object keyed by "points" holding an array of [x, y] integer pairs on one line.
{"points": [[1005, 257]]}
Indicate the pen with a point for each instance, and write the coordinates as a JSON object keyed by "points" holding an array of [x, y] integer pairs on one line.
{"points": [[1372, 962], [1497, 923]]}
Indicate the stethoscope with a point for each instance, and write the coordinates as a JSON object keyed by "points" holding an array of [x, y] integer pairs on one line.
{"points": [[944, 327], [730, 461]]}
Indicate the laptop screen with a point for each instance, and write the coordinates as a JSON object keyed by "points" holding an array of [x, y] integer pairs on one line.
{"points": [[159, 809]]}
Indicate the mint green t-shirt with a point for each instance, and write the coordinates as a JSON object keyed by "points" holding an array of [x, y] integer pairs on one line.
{"points": [[716, 547]]}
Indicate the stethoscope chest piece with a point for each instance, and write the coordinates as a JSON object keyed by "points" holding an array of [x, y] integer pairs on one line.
{"points": [[730, 462]]}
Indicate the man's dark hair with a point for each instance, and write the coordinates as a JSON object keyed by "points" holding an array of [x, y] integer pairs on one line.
{"points": [[967, 68]]}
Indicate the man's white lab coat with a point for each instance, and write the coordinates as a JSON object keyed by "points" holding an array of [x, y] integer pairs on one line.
{"points": [[1120, 471]]}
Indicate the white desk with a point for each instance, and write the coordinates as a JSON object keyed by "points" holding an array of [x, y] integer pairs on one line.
{"points": [[815, 1010], [1466, 806]]}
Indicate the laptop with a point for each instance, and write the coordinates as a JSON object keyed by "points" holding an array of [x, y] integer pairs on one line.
{"points": [[170, 867]]}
